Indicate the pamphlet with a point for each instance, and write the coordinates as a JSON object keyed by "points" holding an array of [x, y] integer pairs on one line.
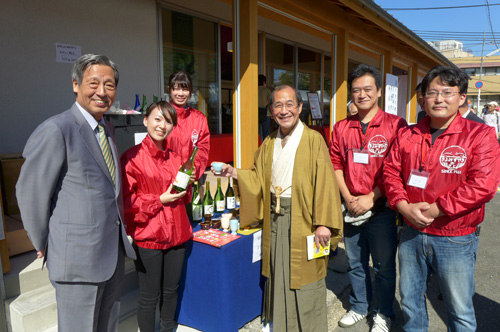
{"points": [[313, 251], [214, 237]]}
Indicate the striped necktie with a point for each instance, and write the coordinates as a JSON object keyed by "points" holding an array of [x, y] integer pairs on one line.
{"points": [[106, 152]]}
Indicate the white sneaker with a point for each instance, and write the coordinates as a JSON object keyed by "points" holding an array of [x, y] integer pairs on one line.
{"points": [[381, 323], [350, 318], [267, 328]]}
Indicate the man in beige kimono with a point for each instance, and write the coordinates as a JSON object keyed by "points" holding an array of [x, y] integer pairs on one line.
{"points": [[292, 187]]}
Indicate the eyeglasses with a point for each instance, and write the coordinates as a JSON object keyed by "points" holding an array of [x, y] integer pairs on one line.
{"points": [[445, 94], [288, 106]]}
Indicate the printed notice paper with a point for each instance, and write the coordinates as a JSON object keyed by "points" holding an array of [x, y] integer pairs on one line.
{"points": [[67, 53], [257, 247], [313, 251]]}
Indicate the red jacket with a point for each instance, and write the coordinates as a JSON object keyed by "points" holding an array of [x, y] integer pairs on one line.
{"points": [[191, 127], [347, 135], [147, 173], [464, 167]]}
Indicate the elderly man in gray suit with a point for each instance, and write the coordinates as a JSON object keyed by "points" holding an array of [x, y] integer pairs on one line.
{"points": [[69, 194]]}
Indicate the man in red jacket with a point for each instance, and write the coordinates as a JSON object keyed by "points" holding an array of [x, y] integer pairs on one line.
{"points": [[360, 144], [438, 175]]}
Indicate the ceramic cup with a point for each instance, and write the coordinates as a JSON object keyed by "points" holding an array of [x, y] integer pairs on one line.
{"points": [[217, 167], [205, 225], [216, 223], [226, 217], [235, 225]]}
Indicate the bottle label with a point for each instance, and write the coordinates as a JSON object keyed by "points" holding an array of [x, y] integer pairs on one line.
{"points": [[181, 180], [196, 200], [209, 209], [197, 212], [220, 206], [231, 203]]}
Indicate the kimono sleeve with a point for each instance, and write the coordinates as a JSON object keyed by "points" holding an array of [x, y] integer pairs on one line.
{"points": [[326, 204], [250, 186]]}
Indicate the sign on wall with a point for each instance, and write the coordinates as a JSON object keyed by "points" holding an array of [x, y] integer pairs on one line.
{"points": [[391, 94], [67, 53]]}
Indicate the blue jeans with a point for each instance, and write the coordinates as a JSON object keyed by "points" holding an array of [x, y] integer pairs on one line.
{"points": [[377, 237], [452, 260]]}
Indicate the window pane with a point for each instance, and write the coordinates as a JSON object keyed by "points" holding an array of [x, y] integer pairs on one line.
{"points": [[470, 71], [190, 44], [490, 71], [309, 78], [279, 63]]}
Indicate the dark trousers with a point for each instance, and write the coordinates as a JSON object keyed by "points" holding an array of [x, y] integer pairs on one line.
{"points": [[159, 272], [92, 307]]}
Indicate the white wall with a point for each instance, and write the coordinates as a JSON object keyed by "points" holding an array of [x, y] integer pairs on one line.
{"points": [[33, 86]]}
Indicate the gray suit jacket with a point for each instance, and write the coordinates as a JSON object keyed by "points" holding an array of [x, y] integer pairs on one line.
{"points": [[68, 202], [473, 117]]}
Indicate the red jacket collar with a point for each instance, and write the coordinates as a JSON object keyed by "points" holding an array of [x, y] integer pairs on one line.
{"points": [[153, 150], [182, 112], [456, 126], [376, 121]]}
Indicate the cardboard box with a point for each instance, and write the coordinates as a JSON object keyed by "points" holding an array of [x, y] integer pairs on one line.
{"points": [[10, 169]]}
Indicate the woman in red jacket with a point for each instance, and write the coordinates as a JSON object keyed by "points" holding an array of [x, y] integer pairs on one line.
{"points": [[192, 127], [156, 217]]}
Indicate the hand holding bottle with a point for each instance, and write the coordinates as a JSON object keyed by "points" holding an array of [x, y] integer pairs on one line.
{"points": [[185, 174], [169, 197], [192, 177]]}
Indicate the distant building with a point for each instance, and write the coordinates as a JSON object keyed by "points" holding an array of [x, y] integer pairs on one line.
{"points": [[451, 48], [490, 76]]}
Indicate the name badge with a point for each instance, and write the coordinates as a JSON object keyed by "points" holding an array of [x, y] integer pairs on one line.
{"points": [[360, 156], [418, 179]]}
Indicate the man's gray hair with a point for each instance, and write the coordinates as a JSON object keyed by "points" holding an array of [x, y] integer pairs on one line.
{"points": [[87, 60], [298, 97]]}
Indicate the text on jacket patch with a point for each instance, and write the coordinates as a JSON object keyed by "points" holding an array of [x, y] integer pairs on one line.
{"points": [[452, 158]]}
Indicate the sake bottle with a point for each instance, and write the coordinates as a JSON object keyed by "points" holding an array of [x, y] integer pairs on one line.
{"points": [[182, 178], [144, 106], [220, 204], [230, 199], [196, 205], [137, 106], [155, 98], [208, 202]]}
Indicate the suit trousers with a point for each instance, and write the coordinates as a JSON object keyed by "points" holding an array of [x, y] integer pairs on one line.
{"points": [[90, 307]]}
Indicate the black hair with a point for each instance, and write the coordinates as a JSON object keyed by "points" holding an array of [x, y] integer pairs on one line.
{"points": [[181, 79], [362, 70], [262, 79], [164, 107], [450, 76]]}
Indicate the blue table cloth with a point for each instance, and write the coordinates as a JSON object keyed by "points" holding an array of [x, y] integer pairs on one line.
{"points": [[220, 288]]}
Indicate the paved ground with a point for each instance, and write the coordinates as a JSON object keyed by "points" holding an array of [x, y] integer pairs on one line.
{"points": [[486, 299]]}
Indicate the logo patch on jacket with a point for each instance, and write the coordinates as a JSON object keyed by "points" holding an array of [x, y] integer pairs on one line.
{"points": [[378, 145], [452, 158], [194, 136]]}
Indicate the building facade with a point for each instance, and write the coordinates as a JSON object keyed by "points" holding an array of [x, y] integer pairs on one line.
{"points": [[224, 44], [488, 73]]}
